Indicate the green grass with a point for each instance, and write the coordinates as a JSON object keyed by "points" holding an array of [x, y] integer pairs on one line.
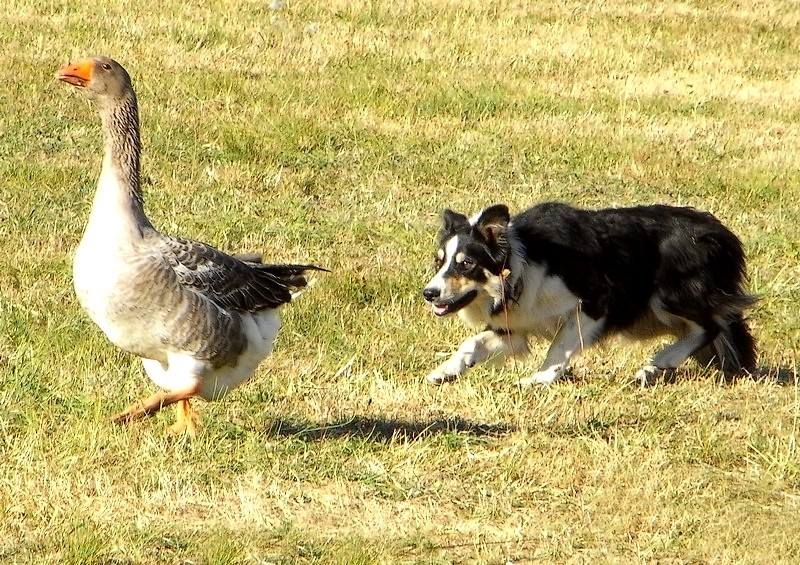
{"points": [[335, 132]]}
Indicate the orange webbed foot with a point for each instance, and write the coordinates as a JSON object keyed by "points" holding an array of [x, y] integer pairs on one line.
{"points": [[186, 420]]}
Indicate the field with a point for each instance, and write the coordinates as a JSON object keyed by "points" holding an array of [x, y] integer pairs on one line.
{"points": [[335, 132]]}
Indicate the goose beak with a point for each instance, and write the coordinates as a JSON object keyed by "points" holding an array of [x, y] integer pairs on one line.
{"points": [[77, 74]]}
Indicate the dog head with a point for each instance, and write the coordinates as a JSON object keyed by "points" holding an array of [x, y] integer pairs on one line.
{"points": [[471, 262]]}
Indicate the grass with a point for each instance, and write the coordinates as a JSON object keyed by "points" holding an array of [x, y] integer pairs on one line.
{"points": [[335, 132]]}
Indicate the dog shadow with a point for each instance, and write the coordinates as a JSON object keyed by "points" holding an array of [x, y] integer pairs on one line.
{"points": [[381, 430], [776, 374], [765, 374]]}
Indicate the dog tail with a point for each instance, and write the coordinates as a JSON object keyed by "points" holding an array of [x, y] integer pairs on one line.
{"points": [[733, 351]]}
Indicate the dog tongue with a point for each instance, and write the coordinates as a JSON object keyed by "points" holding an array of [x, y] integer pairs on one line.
{"points": [[439, 310]]}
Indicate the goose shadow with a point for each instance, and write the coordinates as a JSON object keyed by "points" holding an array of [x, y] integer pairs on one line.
{"points": [[380, 430]]}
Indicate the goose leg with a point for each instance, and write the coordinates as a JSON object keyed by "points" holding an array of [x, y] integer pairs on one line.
{"points": [[153, 404], [185, 419]]}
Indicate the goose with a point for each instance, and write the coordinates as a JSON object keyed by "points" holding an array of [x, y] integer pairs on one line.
{"points": [[200, 319]]}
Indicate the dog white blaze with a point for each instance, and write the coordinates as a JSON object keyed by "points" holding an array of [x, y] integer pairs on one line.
{"points": [[450, 247]]}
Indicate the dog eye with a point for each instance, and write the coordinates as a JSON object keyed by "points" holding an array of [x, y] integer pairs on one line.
{"points": [[467, 264], [437, 263]]}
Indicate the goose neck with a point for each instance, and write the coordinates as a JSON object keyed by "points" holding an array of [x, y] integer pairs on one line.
{"points": [[119, 192]]}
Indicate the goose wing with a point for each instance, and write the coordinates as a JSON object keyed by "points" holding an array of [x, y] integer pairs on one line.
{"points": [[241, 283]]}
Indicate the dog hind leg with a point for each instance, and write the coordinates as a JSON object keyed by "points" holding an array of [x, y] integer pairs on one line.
{"points": [[694, 340], [717, 334], [701, 282]]}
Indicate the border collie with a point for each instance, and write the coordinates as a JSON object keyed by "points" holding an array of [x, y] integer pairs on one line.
{"points": [[577, 276]]}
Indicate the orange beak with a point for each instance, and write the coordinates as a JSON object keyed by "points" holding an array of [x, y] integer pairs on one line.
{"points": [[77, 74]]}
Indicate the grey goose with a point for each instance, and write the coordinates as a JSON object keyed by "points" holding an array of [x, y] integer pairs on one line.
{"points": [[200, 319]]}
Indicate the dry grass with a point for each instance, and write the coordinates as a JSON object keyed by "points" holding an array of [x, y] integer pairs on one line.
{"points": [[335, 132]]}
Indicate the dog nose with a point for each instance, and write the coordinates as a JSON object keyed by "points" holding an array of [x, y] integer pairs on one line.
{"points": [[431, 293]]}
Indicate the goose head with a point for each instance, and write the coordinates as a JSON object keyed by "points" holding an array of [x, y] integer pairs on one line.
{"points": [[101, 79]]}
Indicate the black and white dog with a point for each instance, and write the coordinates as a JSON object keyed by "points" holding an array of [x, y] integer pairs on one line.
{"points": [[577, 276]]}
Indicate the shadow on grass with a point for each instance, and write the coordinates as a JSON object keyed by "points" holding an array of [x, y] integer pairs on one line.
{"points": [[778, 375], [764, 374], [382, 430]]}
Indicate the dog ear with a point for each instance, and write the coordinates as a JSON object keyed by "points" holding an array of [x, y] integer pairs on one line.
{"points": [[451, 221], [492, 223]]}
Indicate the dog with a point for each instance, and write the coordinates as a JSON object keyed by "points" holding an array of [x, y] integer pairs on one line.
{"points": [[578, 276]]}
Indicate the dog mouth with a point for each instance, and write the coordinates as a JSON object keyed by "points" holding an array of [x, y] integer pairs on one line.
{"points": [[454, 304]]}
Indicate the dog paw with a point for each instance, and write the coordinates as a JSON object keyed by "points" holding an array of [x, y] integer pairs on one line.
{"points": [[546, 377], [528, 381], [440, 376], [648, 375]]}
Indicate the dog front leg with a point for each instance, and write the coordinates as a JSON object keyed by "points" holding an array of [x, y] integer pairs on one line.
{"points": [[578, 332], [477, 349]]}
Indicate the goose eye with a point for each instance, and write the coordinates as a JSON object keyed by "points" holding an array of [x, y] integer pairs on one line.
{"points": [[106, 66]]}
